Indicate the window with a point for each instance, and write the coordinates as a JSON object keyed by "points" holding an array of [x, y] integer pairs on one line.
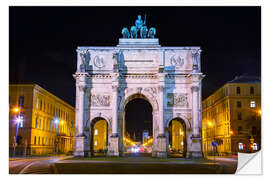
{"points": [[35, 140], [42, 140], [37, 103], [251, 90], [239, 104], [254, 130], [96, 132], [39, 124], [40, 107], [21, 101], [240, 146], [238, 90], [36, 124], [240, 129], [39, 140], [239, 116], [252, 104]]}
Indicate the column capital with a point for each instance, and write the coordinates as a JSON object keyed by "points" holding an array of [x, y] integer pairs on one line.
{"points": [[115, 88], [194, 88], [83, 88]]}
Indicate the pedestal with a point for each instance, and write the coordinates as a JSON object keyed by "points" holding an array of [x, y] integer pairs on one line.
{"points": [[196, 148], [114, 146], [79, 146], [162, 150]]}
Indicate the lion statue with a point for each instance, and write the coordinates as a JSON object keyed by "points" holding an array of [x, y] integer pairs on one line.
{"points": [[133, 32], [152, 32], [144, 31], [125, 32]]}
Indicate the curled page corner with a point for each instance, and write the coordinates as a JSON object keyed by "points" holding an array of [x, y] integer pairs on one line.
{"points": [[249, 163]]}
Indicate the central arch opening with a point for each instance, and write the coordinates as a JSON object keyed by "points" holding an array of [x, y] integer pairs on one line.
{"points": [[138, 127]]}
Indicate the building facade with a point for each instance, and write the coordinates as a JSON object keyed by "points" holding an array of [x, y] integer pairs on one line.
{"points": [[38, 109], [107, 78], [232, 117]]}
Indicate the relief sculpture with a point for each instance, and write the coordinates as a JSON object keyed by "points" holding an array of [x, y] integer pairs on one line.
{"points": [[98, 100], [177, 99]]}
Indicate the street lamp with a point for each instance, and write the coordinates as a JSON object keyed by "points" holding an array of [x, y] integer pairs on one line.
{"points": [[16, 109], [56, 122], [19, 120]]}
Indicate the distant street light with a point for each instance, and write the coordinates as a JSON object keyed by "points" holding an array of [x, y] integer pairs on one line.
{"points": [[56, 122], [19, 121], [16, 109]]}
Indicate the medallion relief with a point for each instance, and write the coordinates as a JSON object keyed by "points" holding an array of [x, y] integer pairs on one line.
{"points": [[177, 61], [99, 62]]}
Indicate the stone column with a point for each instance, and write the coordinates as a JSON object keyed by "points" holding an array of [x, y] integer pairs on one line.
{"points": [[114, 112], [114, 144], [196, 147], [161, 139], [80, 139], [195, 111], [161, 107]]}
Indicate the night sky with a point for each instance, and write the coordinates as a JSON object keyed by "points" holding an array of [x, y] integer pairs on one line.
{"points": [[43, 40]]}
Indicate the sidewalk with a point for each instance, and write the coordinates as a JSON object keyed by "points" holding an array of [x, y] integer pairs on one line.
{"points": [[223, 158]]}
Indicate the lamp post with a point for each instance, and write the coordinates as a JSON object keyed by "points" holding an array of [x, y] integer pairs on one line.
{"points": [[56, 122], [19, 120]]}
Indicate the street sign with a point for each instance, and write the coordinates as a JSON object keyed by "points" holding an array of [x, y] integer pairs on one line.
{"points": [[214, 143]]}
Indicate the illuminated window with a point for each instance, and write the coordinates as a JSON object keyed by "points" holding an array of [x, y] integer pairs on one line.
{"points": [[240, 146], [96, 132], [36, 123], [35, 140], [251, 90], [95, 143], [238, 90], [37, 104], [40, 107], [252, 104]]}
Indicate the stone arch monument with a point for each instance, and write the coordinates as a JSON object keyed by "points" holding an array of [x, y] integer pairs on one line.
{"points": [[169, 78]]}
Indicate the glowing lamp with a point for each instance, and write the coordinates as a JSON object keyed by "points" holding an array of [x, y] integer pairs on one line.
{"points": [[56, 121], [61, 122], [19, 119], [210, 123], [16, 109]]}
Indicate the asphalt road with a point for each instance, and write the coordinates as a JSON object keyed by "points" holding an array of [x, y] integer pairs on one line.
{"points": [[126, 165], [34, 165]]}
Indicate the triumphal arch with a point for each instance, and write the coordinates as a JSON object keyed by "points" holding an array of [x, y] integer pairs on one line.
{"points": [[108, 78]]}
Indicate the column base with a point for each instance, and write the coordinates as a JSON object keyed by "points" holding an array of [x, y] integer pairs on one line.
{"points": [[114, 146], [196, 148], [161, 147], [79, 146]]}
